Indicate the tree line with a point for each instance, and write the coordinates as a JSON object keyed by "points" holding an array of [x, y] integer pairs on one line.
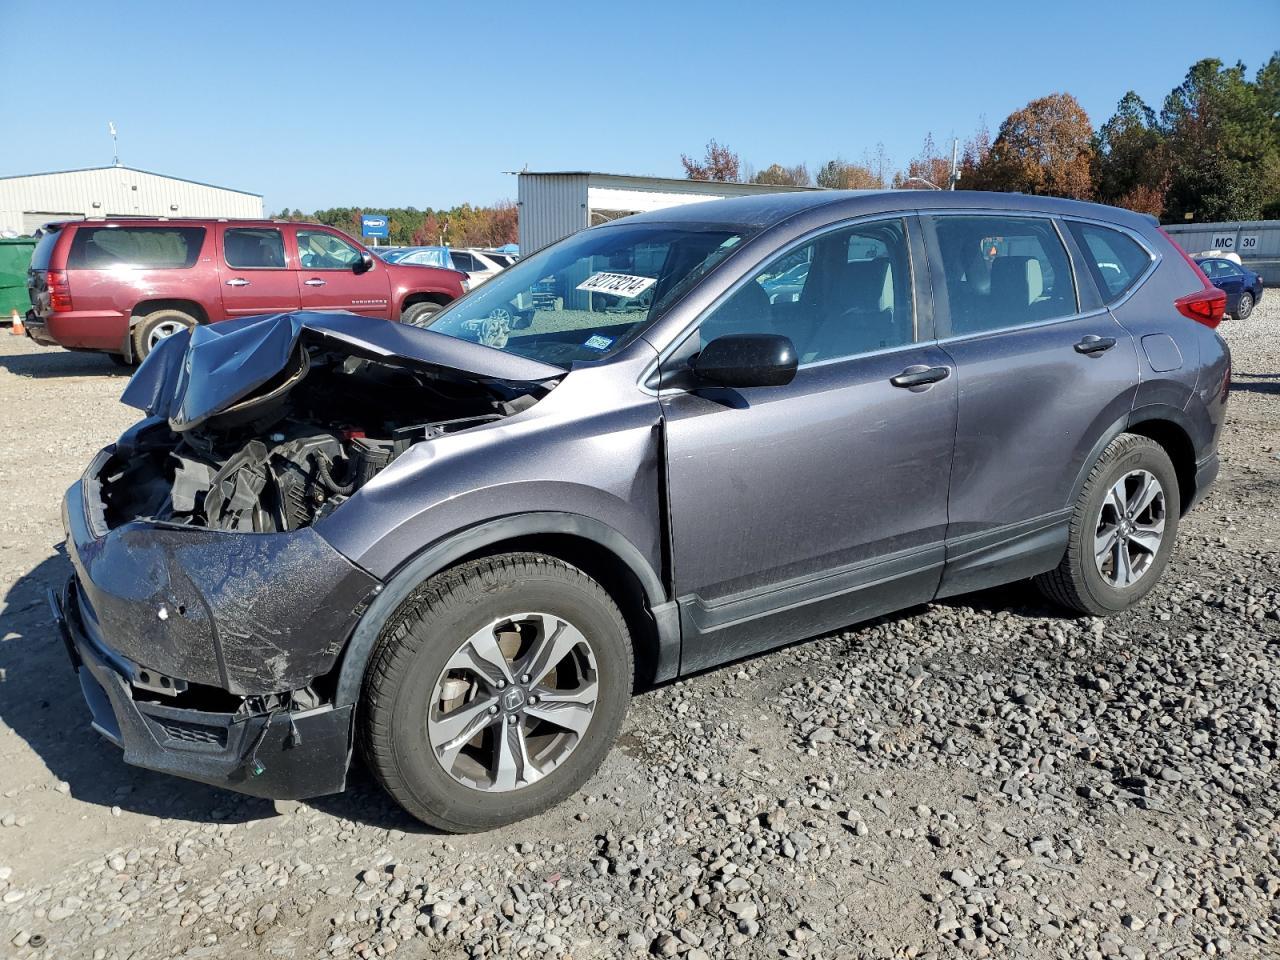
{"points": [[1211, 152], [461, 226]]}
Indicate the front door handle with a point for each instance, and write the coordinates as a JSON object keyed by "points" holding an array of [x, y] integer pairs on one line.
{"points": [[1092, 346], [314, 282], [237, 282], [919, 375]]}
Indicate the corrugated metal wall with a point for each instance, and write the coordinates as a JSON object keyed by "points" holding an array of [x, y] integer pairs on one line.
{"points": [[551, 207], [116, 191], [1257, 242]]}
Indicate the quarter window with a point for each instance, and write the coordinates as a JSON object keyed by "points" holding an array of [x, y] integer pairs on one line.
{"points": [[1003, 272], [321, 250], [253, 248], [1116, 260], [845, 293], [153, 248]]}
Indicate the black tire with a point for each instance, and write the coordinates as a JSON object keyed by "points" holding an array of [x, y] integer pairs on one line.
{"points": [[1077, 583], [144, 332], [421, 639], [420, 314], [1245, 306]]}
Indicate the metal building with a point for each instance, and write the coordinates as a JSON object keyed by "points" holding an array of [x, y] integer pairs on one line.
{"points": [[1256, 241], [26, 202], [553, 205]]}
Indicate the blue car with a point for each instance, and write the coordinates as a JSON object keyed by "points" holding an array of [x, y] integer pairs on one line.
{"points": [[1242, 286]]}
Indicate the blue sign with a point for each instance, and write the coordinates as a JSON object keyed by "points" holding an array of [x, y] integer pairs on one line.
{"points": [[375, 227]]}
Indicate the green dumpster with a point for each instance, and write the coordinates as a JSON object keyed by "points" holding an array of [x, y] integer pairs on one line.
{"points": [[15, 257]]}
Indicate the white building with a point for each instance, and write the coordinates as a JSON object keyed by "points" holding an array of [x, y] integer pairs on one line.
{"points": [[26, 202], [554, 205]]}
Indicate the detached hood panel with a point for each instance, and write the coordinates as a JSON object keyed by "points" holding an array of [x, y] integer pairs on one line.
{"points": [[196, 374]]}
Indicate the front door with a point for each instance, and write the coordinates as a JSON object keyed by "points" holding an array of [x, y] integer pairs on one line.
{"points": [[332, 275], [1040, 382], [255, 276], [800, 508]]}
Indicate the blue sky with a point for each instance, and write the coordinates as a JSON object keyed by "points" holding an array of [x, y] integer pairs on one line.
{"points": [[426, 104]]}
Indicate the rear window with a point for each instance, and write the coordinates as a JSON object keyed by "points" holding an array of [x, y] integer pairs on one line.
{"points": [[154, 248], [1116, 260], [44, 251]]}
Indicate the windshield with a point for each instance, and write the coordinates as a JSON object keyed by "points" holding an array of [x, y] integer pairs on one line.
{"points": [[586, 297]]}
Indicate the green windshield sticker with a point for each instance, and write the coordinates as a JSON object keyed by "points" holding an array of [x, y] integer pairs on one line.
{"points": [[617, 284]]}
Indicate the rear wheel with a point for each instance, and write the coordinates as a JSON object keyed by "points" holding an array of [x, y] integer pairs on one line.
{"points": [[420, 314], [1122, 530], [496, 692], [157, 325], [1245, 306]]}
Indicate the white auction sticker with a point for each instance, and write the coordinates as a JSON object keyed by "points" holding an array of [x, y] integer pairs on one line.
{"points": [[617, 284]]}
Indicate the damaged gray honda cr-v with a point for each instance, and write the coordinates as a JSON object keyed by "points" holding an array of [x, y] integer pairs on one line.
{"points": [[626, 458]]}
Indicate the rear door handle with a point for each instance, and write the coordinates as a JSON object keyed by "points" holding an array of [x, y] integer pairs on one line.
{"points": [[919, 375], [237, 282], [314, 282], [1092, 345]]}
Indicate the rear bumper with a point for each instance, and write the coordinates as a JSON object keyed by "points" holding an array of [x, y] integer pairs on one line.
{"points": [[81, 330], [281, 755], [1206, 474]]}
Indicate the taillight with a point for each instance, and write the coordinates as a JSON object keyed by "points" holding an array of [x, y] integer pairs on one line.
{"points": [[1208, 305], [59, 290]]}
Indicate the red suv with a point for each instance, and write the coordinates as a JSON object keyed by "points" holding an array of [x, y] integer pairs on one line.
{"points": [[122, 285]]}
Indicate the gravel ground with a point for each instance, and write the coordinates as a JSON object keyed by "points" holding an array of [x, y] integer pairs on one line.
{"points": [[980, 777]]}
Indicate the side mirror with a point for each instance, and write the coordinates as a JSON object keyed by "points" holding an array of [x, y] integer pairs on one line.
{"points": [[747, 360], [365, 262]]}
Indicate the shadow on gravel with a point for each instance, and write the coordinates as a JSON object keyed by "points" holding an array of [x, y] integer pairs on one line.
{"points": [[40, 701], [1021, 598], [52, 362], [1266, 383]]}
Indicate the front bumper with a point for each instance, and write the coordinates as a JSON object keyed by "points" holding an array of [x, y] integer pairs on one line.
{"points": [[286, 755]]}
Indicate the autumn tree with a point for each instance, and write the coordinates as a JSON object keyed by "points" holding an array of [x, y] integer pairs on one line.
{"points": [[974, 155], [1044, 148], [720, 163], [839, 174], [778, 175], [928, 165]]}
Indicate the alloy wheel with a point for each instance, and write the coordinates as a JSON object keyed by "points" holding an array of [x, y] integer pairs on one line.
{"points": [[165, 328], [513, 702], [1130, 528]]}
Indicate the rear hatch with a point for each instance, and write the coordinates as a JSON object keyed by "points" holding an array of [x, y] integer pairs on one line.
{"points": [[38, 273]]}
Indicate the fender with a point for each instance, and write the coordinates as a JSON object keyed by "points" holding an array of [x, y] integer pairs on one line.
{"points": [[443, 554], [1143, 414]]}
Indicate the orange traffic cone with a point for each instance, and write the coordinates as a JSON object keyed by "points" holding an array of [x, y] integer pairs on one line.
{"points": [[18, 328]]}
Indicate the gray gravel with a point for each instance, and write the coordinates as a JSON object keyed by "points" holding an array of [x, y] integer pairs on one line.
{"points": [[982, 777]]}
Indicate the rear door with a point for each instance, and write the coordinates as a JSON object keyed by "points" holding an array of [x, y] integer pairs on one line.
{"points": [[1040, 381], [1227, 277], [332, 275], [255, 272]]}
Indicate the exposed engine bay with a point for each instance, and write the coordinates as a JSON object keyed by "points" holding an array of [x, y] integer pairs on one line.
{"points": [[298, 446]]}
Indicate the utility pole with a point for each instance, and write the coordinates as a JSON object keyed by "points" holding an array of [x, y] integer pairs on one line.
{"points": [[115, 148], [955, 163]]}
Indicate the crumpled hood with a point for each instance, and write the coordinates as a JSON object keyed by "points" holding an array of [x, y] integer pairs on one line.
{"points": [[196, 374]]}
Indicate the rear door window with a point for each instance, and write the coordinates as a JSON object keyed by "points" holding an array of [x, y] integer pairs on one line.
{"points": [[1115, 259], [151, 248], [253, 248], [1002, 272]]}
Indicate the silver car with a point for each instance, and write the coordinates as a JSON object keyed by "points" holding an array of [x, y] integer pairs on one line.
{"points": [[621, 460]]}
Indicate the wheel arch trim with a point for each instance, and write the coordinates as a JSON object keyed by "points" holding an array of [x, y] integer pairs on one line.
{"points": [[445, 553]]}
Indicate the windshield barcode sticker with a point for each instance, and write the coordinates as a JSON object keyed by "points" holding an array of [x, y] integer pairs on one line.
{"points": [[617, 284]]}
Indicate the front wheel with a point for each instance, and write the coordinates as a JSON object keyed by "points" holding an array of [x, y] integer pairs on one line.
{"points": [[1245, 306], [419, 314], [1122, 530], [496, 692]]}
